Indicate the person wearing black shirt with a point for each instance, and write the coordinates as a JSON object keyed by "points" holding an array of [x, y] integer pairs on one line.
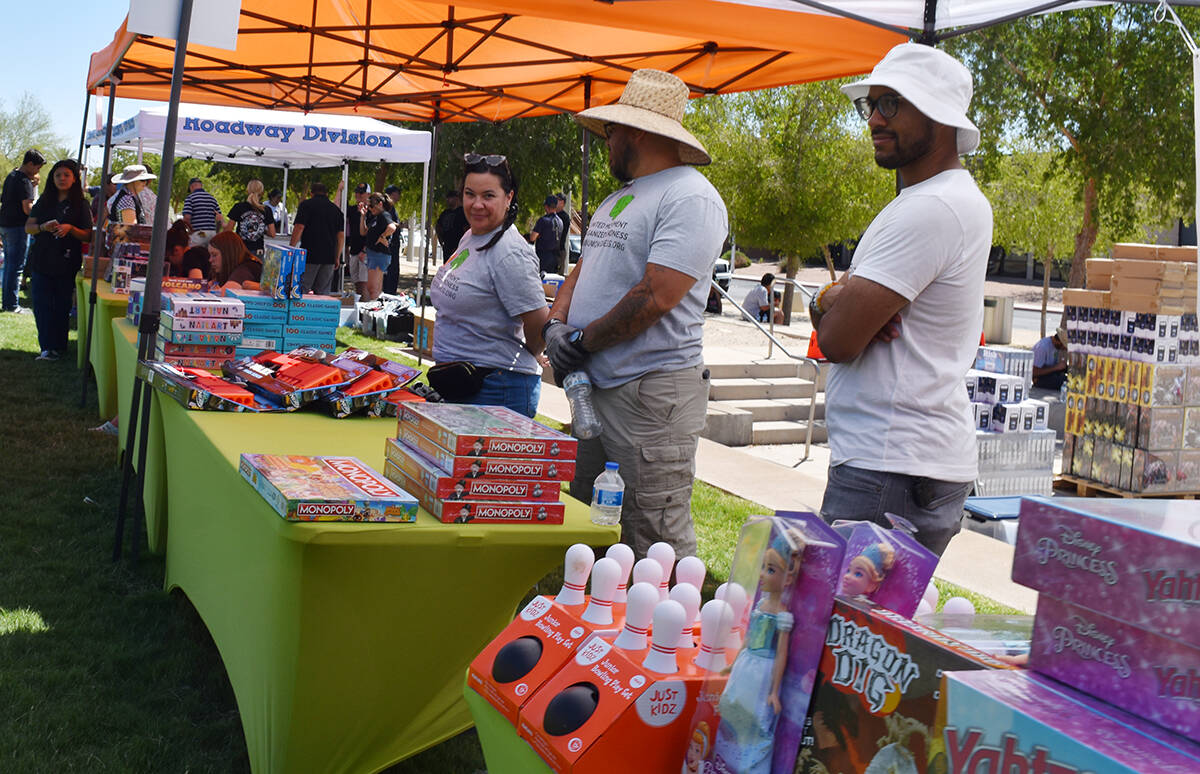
{"points": [[545, 236], [451, 224], [61, 222], [16, 201], [253, 219], [391, 277], [356, 260], [565, 219], [320, 229], [377, 235]]}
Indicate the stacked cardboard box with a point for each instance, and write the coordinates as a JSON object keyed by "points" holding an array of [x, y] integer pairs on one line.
{"points": [[1016, 450], [198, 330], [1118, 615], [485, 464]]}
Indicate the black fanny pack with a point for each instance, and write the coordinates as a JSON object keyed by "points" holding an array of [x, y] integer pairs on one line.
{"points": [[458, 380]]}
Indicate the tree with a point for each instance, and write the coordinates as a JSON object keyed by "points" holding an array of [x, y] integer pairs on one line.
{"points": [[794, 167], [1106, 92], [27, 125]]}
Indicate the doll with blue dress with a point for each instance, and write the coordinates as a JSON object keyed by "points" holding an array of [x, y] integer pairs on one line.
{"points": [[749, 706]]}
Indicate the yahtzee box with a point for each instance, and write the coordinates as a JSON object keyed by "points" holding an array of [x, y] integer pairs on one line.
{"points": [[487, 431], [303, 488], [1136, 560], [1016, 721], [1151, 676]]}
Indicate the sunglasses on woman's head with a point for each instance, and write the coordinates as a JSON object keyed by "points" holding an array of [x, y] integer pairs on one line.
{"points": [[491, 159]]}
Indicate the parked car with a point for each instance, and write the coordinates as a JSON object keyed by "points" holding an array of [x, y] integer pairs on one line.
{"points": [[722, 273], [574, 248]]}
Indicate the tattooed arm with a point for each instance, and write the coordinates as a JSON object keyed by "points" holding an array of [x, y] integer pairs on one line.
{"points": [[658, 292]]}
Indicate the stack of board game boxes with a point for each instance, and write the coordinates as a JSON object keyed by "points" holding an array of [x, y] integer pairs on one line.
{"points": [[1133, 386], [303, 488], [265, 317], [198, 330], [129, 252], [1016, 450], [483, 464], [1118, 617], [283, 324]]}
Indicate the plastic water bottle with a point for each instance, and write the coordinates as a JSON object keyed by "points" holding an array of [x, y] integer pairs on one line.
{"points": [[607, 495], [584, 422]]}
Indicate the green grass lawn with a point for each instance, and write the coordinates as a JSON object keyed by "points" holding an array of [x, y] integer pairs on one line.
{"points": [[101, 670]]}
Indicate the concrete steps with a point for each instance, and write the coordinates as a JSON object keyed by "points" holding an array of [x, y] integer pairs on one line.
{"points": [[763, 402], [779, 409], [747, 388], [766, 369], [787, 431]]}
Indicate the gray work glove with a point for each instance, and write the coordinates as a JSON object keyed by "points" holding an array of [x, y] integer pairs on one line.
{"points": [[564, 346]]}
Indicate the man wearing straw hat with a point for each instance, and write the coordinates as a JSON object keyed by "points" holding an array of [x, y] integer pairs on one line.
{"points": [[902, 326], [631, 315]]}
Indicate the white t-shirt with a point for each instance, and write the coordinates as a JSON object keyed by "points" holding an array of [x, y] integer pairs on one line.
{"points": [[479, 296], [756, 299], [900, 406], [673, 218]]}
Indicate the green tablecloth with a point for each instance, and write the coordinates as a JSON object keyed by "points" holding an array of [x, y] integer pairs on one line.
{"points": [[503, 750], [154, 493], [109, 306], [345, 644]]}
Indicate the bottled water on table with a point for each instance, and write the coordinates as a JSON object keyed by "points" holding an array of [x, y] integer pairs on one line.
{"points": [[608, 493], [584, 422]]}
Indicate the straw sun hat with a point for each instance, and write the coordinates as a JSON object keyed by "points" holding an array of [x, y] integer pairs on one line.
{"points": [[133, 172], [653, 101]]}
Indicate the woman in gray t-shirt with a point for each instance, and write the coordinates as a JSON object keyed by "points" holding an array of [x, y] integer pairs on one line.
{"points": [[488, 296]]}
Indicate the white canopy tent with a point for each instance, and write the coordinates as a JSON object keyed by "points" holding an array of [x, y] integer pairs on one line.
{"points": [[271, 138]]}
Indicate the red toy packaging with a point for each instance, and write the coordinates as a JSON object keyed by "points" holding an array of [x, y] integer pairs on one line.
{"points": [[421, 468], [483, 512], [499, 467], [487, 431]]}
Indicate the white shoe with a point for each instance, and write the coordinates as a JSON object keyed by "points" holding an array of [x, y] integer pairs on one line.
{"points": [[47, 355]]}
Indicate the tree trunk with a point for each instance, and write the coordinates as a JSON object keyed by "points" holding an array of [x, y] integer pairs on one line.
{"points": [[1047, 265], [381, 177], [789, 292], [1084, 239]]}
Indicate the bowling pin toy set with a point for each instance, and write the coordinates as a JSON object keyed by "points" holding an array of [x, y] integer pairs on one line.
{"points": [[885, 566], [1118, 615], [587, 679], [485, 464], [785, 569]]}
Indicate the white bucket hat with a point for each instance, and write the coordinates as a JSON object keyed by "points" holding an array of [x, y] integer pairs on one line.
{"points": [[935, 83], [653, 101], [133, 172]]}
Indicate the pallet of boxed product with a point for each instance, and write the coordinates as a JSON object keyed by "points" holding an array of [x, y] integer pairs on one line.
{"points": [[1099, 273], [1144, 252], [1094, 299]]}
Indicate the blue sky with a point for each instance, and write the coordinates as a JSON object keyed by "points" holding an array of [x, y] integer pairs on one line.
{"points": [[57, 76]]}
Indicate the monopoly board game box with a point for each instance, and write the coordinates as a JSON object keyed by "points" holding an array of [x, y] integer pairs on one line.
{"points": [[421, 468], [997, 722], [1151, 676], [476, 467], [491, 431], [875, 702], [477, 511], [1135, 560], [302, 488]]}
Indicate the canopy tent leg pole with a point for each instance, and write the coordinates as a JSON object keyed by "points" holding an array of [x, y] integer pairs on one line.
{"points": [[97, 241], [424, 204], [139, 408], [282, 230], [87, 103], [584, 217], [427, 200], [341, 286], [140, 151]]}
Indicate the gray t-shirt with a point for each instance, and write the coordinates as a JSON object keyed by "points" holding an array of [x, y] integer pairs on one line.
{"points": [[479, 296], [673, 218]]}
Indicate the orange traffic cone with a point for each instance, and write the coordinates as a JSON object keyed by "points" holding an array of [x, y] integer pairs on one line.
{"points": [[982, 340], [814, 351]]}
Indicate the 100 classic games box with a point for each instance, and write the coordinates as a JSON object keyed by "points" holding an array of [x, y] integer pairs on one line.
{"points": [[302, 488]]}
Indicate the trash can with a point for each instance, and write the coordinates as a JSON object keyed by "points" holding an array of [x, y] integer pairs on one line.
{"points": [[997, 319]]}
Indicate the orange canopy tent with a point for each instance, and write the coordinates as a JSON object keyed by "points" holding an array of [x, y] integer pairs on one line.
{"points": [[415, 60]]}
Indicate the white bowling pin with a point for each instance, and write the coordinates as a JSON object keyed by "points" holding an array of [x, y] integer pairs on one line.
{"points": [[648, 571], [668, 623], [576, 568], [624, 556], [605, 575], [638, 612], [689, 596], [734, 594], [716, 619], [691, 569], [664, 554]]}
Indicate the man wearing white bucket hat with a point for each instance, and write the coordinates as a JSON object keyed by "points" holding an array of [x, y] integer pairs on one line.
{"points": [[902, 325], [631, 315]]}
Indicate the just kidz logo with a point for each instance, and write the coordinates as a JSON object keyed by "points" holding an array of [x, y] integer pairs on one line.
{"points": [[868, 664]]}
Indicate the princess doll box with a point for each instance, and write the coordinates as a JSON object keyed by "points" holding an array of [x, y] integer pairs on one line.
{"points": [[529, 651], [487, 431], [1019, 721], [1134, 560], [1151, 676], [875, 702], [604, 712]]}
